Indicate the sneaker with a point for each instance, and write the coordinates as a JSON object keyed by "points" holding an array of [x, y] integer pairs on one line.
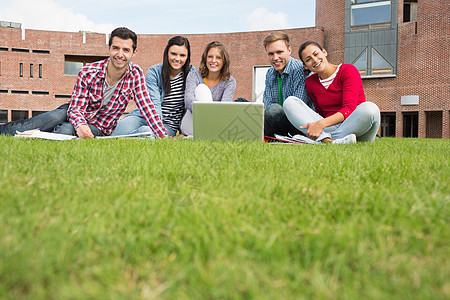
{"points": [[348, 139]]}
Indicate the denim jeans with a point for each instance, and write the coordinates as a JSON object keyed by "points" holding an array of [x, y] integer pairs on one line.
{"points": [[134, 122], [51, 121], [67, 128], [276, 122], [44, 122], [364, 121]]}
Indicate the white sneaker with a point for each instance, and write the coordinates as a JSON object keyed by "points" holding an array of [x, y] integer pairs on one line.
{"points": [[348, 139]]}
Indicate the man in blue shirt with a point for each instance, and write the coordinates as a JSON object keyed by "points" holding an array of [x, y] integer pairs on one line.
{"points": [[285, 78]]}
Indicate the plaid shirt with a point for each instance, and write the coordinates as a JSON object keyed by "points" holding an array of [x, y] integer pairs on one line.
{"points": [[293, 84], [86, 103]]}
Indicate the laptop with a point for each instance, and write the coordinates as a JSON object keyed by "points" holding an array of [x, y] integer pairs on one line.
{"points": [[242, 121]]}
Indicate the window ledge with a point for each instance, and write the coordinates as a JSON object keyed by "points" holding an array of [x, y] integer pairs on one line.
{"points": [[379, 76]]}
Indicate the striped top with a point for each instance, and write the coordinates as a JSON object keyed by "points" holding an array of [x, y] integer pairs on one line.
{"points": [[173, 105], [328, 81]]}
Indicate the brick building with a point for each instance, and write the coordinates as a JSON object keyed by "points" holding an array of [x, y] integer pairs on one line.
{"points": [[399, 46]]}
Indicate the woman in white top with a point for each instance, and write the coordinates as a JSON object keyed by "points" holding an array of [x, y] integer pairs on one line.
{"points": [[212, 82]]}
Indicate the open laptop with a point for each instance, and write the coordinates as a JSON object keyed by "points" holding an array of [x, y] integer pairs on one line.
{"points": [[228, 121]]}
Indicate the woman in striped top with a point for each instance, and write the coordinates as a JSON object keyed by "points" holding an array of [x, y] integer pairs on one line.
{"points": [[166, 83], [342, 114]]}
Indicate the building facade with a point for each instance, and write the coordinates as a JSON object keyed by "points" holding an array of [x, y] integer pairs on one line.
{"points": [[401, 48]]}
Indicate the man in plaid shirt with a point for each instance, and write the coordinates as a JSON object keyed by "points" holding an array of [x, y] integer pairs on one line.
{"points": [[100, 96], [285, 78]]}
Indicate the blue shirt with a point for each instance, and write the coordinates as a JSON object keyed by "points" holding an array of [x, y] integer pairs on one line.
{"points": [[293, 84]]}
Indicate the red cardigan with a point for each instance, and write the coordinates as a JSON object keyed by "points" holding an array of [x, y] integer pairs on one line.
{"points": [[343, 95]]}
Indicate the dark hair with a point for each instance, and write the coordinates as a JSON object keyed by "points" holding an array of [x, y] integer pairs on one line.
{"points": [[125, 34], [303, 47], [306, 44], [165, 71], [225, 71], [276, 36]]}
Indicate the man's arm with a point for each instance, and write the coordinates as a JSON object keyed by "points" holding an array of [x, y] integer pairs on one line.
{"points": [[77, 106], [83, 131]]}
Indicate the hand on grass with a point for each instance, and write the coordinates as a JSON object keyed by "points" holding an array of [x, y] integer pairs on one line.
{"points": [[83, 131]]}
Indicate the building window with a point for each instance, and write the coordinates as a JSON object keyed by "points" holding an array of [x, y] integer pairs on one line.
{"points": [[40, 93], [361, 63], [35, 113], [370, 14], [411, 124], [20, 50], [40, 70], [63, 96], [21, 92], [21, 69], [41, 51], [19, 115], [410, 11], [74, 63], [72, 67], [31, 70], [387, 126], [259, 82], [3, 116], [379, 64]]}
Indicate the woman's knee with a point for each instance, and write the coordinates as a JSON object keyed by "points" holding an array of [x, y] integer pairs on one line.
{"points": [[203, 93], [292, 103], [370, 110]]}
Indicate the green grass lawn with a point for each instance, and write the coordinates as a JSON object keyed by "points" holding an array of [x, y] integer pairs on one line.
{"points": [[178, 219]]}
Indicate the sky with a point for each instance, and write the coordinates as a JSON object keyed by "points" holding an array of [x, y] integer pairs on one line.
{"points": [[159, 16]]}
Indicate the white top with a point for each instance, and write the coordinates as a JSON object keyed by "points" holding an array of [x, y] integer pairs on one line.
{"points": [[328, 81]]}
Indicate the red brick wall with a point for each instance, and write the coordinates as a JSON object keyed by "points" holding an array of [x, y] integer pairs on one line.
{"points": [[423, 56], [245, 49], [330, 14]]}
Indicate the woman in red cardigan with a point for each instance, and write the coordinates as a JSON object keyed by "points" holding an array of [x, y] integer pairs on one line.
{"points": [[342, 114]]}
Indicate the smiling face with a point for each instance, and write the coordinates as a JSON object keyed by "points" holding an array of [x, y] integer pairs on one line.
{"points": [[214, 60], [120, 53], [278, 53], [177, 56], [315, 59]]}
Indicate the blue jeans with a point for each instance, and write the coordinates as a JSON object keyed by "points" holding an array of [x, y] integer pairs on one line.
{"points": [[67, 128], [50, 121], [276, 122], [134, 122], [364, 121], [44, 122]]}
